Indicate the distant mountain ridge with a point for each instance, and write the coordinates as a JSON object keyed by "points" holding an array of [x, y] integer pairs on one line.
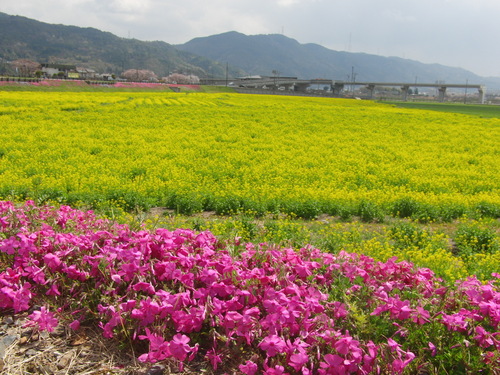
{"points": [[21, 37], [261, 54]]}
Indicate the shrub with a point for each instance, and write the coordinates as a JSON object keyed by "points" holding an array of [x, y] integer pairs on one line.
{"points": [[406, 234], [487, 209], [450, 212], [369, 211], [473, 238], [405, 207]]}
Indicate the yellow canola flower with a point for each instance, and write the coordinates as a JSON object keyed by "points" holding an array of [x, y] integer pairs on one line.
{"points": [[255, 149]]}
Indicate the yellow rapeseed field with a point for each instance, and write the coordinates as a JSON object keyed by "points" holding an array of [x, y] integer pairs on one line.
{"points": [[227, 152]]}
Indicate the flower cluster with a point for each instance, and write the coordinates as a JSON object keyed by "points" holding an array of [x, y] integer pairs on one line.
{"points": [[252, 308]]}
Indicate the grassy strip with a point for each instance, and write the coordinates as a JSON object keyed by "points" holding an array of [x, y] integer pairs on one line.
{"points": [[481, 110]]}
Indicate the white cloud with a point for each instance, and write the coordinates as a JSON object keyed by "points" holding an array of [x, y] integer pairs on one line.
{"points": [[126, 6], [286, 3]]}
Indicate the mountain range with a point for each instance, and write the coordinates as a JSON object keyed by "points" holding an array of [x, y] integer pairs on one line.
{"points": [[229, 53], [24, 38], [261, 54]]}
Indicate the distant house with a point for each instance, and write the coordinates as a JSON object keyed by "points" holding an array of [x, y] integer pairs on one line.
{"points": [[51, 70], [86, 73], [106, 77]]}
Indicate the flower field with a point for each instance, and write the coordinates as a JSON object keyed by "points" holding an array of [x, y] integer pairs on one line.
{"points": [[228, 153], [242, 308], [320, 236]]}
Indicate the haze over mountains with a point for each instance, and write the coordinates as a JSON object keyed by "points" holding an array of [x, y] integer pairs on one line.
{"points": [[22, 37]]}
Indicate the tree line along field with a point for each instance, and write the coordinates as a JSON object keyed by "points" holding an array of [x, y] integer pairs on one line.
{"points": [[305, 200]]}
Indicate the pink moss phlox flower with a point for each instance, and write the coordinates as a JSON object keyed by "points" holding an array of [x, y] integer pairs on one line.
{"points": [[273, 345], [214, 358], [339, 310], [74, 273], [276, 370], [331, 362], [369, 359], [27, 245], [52, 261], [166, 271], [158, 348], [209, 276], [147, 312], [347, 345], [393, 345], [75, 325], [34, 273], [43, 319], [249, 368], [144, 287], [433, 349], [53, 290], [7, 295], [4, 223], [221, 289], [232, 319], [491, 309], [420, 315], [9, 246], [400, 309], [21, 298], [298, 345], [188, 322], [403, 357], [298, 360], [179, 347], [455, 322], [245, 328], [402, 330], [115, 320], [484, 338], [399, 364], [128, 271], [128, 305], [272, 297]]}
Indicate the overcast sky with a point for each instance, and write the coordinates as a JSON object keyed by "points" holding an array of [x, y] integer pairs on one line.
{"points": [[459, 33]]}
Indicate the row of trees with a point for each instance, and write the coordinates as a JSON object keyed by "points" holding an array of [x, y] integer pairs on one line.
{"points": [[29, 68], [25, 67], [148, 75]]}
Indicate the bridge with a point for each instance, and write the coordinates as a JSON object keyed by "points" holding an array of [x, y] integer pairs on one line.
{"points": [[273, 83], [337, 87]]}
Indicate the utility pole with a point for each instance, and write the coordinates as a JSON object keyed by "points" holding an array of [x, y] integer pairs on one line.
{"points": [[227, 68], [276, 74], [353, 79], [466, 84]]}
